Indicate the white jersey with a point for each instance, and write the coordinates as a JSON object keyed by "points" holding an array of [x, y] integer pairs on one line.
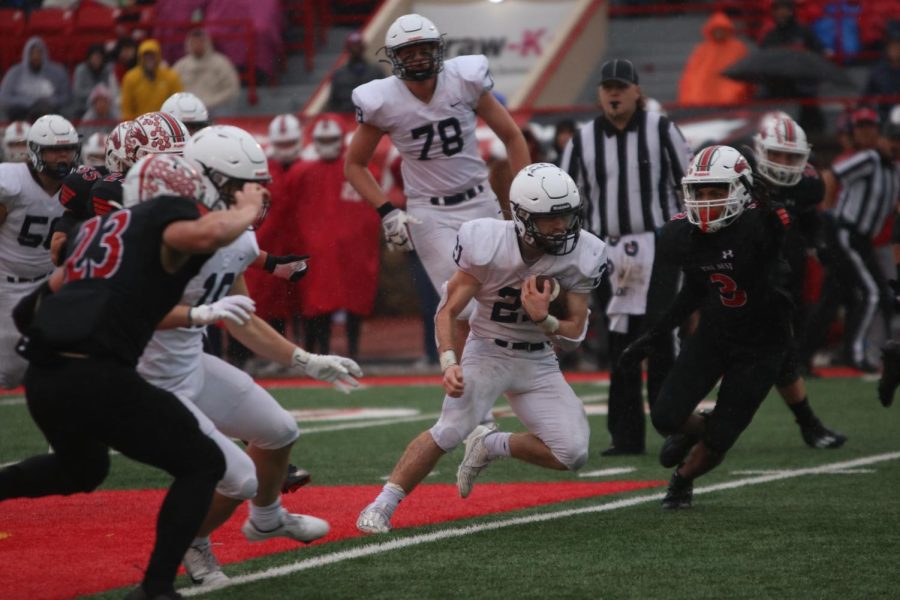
{"points": [[437, 140], [30, 215], [175, 353], [488, 250]]}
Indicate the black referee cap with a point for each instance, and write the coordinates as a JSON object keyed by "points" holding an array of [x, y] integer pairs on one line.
{"points": [[618, 69]]}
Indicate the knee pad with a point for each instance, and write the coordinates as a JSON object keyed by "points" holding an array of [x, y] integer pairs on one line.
{"points": [[238, 488], [572, 460], [788, 372], [282, 433], [664, 423], [449, 436], [87, 477]]}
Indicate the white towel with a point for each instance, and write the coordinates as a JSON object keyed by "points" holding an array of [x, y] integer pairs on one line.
{"points": [[631, 262]]}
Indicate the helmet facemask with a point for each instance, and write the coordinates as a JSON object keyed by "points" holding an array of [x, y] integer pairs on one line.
{"points": [[417, 68], [56, 170], [709, 214], [781, 150], [717, 187], [557, 243]]}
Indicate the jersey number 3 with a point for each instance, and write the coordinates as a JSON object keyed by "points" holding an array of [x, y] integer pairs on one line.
{"points": [[729, 294], [98, 248]]}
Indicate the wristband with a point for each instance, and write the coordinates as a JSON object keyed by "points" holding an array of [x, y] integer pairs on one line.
{"points": [[384, 209], [548, 324], [448, 359]]}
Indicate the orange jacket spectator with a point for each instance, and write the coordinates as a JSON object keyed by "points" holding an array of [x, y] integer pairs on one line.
{"points": [[702, 82], [149, 84]]}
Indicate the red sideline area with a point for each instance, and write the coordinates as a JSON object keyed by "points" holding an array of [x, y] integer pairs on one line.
{"points": [[100, 541], [400, 380]]}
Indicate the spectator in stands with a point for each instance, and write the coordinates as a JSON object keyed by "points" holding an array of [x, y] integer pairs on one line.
{"points": [[95, 70], [787, 31], [702, 81], [342, 232], [101, 107], [36, 86], [355, 72], [146, 86], [208, 74], [124, 57], [884, 79]]}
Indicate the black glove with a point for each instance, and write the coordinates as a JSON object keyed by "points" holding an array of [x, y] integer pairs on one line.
{"points": [[291, 267], [638, 350]]}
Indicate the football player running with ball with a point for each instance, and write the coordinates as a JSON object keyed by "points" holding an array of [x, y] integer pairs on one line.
{"points": [[509, 347], [730, 251]]}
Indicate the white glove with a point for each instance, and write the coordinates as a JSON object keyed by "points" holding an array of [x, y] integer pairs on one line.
{"points": [[236, 309], [396, 230], [340, 371]]}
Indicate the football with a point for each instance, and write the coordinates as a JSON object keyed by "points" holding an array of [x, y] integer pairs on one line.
{"points": [[558, 305], [543, 280]]}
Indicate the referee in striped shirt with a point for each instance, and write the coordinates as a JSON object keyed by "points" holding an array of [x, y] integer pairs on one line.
{"points": [[870, 188], [628, 163]]}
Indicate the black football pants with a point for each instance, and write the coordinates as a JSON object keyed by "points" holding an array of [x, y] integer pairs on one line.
{"points": [[86, 406], [747, 372]]}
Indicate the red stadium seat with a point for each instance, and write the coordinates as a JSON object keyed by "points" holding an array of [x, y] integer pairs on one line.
{"points": [[96, 18], [12, 36], [55, 26]]}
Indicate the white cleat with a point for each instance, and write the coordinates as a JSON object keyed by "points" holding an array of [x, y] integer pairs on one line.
{"points": [[375, 518], [474, 461], [302, 528], [203, 567]]}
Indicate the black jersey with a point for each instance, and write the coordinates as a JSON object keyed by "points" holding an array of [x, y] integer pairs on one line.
{"points": [[735, 276], [801, 202], [88, 192], [116, 289]]}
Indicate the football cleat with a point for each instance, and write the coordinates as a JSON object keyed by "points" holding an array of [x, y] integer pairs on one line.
{"points": [[816, 435], [295, 479], [203, 567], [680, 493], [375, 518], [890, 377], [474, 461], [675, 448], [302, 528]]}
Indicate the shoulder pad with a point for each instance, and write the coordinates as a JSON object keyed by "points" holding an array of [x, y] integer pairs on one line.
{"points": [[592, 259], [10, 184], [368, 100], [473, 73], [477, 242]]}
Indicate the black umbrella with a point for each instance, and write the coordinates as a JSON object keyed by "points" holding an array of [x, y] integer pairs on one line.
{"points": [[786, 64]]}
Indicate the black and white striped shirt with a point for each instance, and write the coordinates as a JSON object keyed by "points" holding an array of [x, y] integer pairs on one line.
{"points": [[870, 186], [628, 178]]}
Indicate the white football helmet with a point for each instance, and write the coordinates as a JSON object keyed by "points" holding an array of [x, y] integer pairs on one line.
{"points": [[229, 157], [115, 148], [328, 139], [154, 133], [94, 150], [721, 167], [543, 191], [162, 175], [187, 108], [15, 142], [285, 138], [410, 30], [781, 150], [53, 131]]}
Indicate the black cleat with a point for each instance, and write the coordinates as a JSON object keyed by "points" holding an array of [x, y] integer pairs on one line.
{"points": [[890, 377], [680, 493], [816, 435], [295, 479], [675, 448]]}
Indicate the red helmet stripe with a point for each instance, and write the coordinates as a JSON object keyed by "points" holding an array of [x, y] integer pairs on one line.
{"points": [[703, 163], [177, 132], [789, 131]]}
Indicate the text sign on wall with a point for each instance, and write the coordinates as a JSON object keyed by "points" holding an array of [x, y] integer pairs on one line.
{"points": [[513, 35]]}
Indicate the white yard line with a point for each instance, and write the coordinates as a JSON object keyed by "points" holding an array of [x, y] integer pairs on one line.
{"points": [[607, 472], [12, 401], [455, 532]]}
